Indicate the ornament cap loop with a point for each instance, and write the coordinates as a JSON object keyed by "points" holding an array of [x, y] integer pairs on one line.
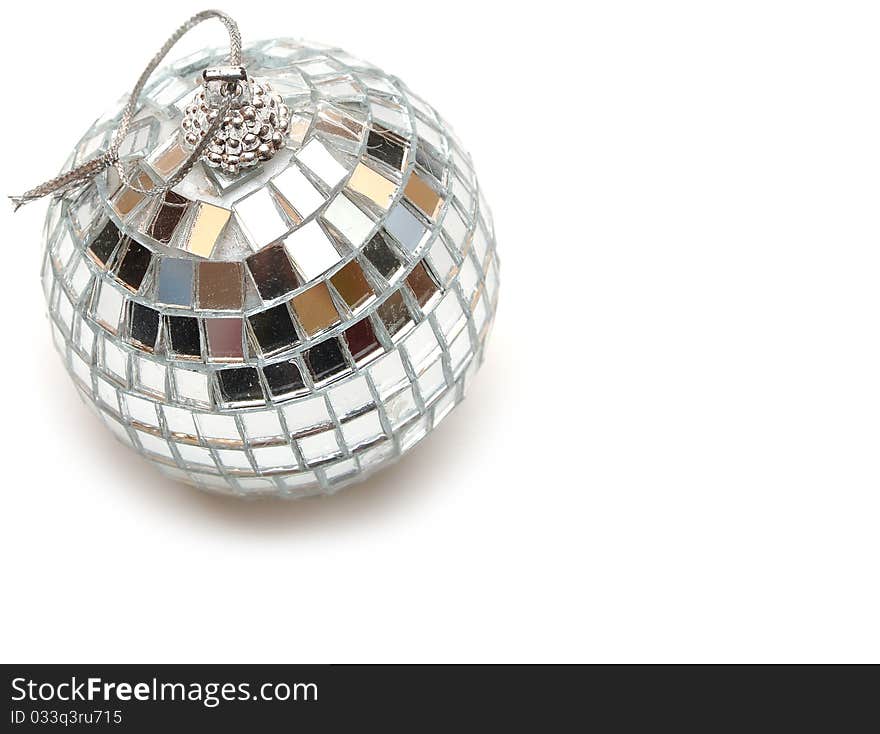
{"points": [[225, 74], [226, 83]]}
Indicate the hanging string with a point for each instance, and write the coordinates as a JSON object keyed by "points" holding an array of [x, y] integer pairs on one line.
{"points": [[89, 169]]}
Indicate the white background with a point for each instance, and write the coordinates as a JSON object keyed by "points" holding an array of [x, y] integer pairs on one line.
{"points": [[671, 453]]}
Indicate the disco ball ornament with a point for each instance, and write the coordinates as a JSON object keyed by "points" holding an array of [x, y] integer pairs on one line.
{"points": [[282, 323]]}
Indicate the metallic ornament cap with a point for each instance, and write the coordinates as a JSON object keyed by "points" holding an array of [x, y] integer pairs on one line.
{"points": [[253, 130]]}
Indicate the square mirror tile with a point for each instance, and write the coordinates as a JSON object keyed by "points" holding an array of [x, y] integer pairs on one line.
{"points": [[108, 309], [405, 227], [143, 325], [362, 341], [298, 191], [314, 309], [423, 286], [326, 361], [349, 220], [134, 265], [171, 211], [241, 384], [175, 287], [206, 229], [273, 329], [220, 286], [104, 245], [372, 185], [260, 218], [382, 256], [394, 314], [387, 147], [224, 339], [184, 336], [272, 272], [419, 192], [352, 285], [311, 251], [314, 156], [283, 378]]}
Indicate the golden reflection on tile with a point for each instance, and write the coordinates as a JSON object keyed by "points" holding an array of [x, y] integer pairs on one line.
{"points": [[351, 284], [287, 207], [315, 309], [299, 127], [129, 198], [364, 180], [209, 223], [422, 284], [220, 286], [423, 196], [170, 160]]}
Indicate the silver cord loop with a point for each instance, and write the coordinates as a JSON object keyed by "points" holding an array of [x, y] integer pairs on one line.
{"points": [[92, 167]]}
